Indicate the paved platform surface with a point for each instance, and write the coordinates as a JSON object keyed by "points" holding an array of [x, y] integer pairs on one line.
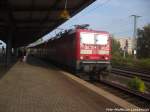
{"points": [[36, 87]]}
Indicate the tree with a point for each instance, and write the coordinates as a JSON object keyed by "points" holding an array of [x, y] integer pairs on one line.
{"points": [[115, 46], [116, 52], [143, 42]]}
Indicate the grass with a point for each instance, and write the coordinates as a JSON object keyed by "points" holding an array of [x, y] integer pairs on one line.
{"points": [[129, 61]]}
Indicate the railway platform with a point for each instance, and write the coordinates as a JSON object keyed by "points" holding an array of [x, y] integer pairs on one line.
{"points": [[38, 87]]}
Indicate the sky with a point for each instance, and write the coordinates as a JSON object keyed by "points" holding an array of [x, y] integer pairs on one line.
{"points": [[113, 16], [2, 44]]}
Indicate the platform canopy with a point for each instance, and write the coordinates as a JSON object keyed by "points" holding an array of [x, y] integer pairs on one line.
{"points": [[24, 21]]}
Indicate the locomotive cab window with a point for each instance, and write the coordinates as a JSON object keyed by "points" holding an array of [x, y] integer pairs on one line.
{"points": [[101, 39], [87, 38], [91, 38]]}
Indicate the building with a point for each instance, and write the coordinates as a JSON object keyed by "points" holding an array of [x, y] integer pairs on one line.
{"points": [[125, 44]]}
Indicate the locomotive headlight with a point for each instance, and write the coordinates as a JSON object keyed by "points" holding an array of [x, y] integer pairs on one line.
{"points": [[81, 57], [106, 58]]}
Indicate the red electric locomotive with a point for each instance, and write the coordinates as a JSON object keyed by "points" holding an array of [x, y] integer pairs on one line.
{"points": [[82, 50]]}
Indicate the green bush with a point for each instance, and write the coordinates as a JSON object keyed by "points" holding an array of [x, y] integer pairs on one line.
{"points": [[117, 59], [137, 84]]}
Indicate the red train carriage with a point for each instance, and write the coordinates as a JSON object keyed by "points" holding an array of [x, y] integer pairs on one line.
{"points": [[81, 49]]}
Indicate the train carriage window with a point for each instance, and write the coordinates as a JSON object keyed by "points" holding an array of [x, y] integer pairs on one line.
{"points": [[101, 39], [87, 38]]}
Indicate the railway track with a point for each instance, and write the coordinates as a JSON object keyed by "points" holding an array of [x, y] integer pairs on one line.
{"points": [[144, 96], [143, 76], [121, 72], [137, 70], [138, 98]]}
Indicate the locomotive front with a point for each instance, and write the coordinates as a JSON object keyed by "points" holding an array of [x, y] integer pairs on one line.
{"points": [[93, 51]]}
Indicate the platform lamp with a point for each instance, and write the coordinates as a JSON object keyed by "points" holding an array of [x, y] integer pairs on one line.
{"points": [[65, 14]]}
